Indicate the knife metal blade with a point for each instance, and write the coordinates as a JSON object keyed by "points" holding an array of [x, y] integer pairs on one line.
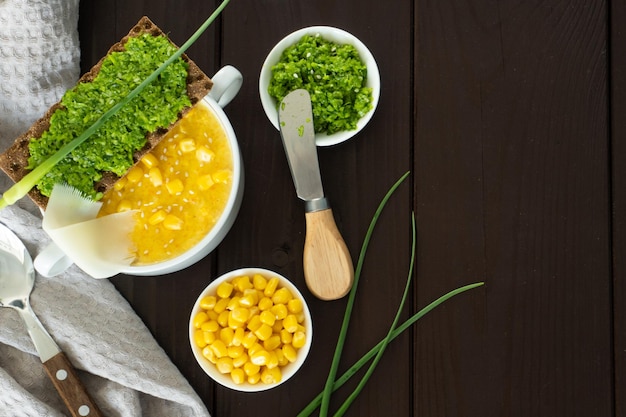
{"points": [[295, 118]]}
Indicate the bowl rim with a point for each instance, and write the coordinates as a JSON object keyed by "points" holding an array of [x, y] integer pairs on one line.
{"points": [[288, 370], [332, 34], [221, 227]]}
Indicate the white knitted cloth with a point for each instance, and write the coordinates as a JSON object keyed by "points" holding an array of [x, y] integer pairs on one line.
{"points": [[120, 363]]}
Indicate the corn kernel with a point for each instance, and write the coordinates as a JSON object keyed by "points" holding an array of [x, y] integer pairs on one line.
{"points": [[271, 376], [222, 319], [225, 365], [267, 317], [204, 154], [209, 337], [270, 287], [263, 332], [254, 379], [282, 360], [295, 306], [272, 342], [249, 340], [282, 296], [222, 176], [200, 318], [226, 335], [254, 323], [290, 323], [155, 176], [175, 186], [250, 369], [187, 145], [250, 298], [172, 222], [278, 326], [259, 281], [260, 357], [235, 324], [225, 289], [157, 217], [208, 302], [205, 182], [119, 184], [256, 347], [285, 336], [272, 362], [208, 353], [235, 351], [124, 205], [280, 311], [242, 283], [299, 339], [219, 348], [238, 376], [240, 314], [198, 337], [265, 303], [300, 316], [290, 353], [149, 160], [238, 336], [240, 361], [221, 304], [210, 326], [254, 311], [233, 303], [134, 174]]}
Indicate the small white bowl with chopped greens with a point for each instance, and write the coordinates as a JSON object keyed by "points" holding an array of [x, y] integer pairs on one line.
{"points": [[336, 68]]}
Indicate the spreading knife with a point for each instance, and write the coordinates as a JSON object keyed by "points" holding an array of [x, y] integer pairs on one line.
{"points": [[328, 268]]}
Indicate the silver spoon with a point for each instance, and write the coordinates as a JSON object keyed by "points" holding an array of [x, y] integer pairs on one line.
{"points": [[17, 278]]}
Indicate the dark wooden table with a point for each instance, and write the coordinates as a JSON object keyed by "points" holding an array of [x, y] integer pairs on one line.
{"points": [[509, 115]]}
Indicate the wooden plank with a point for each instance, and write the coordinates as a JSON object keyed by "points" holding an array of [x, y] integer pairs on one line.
{"points": [[617, 97], [512, 187]]}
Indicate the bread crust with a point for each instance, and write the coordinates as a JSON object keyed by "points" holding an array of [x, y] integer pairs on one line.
{"points": [[14, 160]]}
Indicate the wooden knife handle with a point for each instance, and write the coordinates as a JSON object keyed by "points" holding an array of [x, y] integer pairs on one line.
{"points": [[69, 387], [328, 268]]}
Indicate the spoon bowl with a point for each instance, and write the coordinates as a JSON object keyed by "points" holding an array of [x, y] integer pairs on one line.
{"points": [[17, 279]]}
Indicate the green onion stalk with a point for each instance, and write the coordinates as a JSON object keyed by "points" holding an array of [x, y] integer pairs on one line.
{"points": [[322, 400], [22, 187]]}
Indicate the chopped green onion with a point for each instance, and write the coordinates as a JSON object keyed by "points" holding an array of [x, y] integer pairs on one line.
{"points": [[23, 186]]}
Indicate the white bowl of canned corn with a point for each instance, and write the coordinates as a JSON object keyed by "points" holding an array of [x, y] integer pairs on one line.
{"points": [[250, 329]]}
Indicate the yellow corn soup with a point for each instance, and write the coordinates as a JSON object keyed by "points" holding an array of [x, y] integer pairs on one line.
{"points": [[180, 188]]}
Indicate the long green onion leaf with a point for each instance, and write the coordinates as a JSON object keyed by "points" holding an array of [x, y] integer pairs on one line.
{"points": [[328, 388], [308, 410], [346, 404], [22, 187]]}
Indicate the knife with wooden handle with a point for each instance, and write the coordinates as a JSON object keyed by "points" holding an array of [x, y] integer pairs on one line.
{"points": [[328, 268]]}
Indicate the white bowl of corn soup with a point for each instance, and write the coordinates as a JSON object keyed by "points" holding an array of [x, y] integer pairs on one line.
{"points": [[250, 329], [188, 189]]}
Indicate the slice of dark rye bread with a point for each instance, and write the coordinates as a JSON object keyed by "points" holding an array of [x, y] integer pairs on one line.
{"points": [[14, 160]]}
